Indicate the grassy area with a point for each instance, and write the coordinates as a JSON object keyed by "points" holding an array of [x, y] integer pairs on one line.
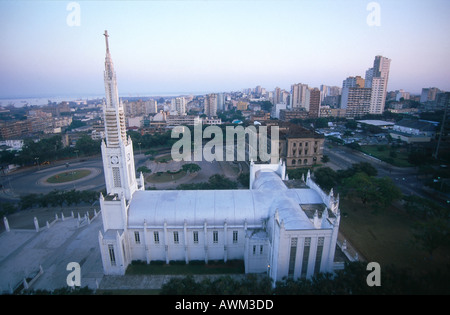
{"points": [[383, 153], [68, 176], [213, 267], [165, 177], [386, 237]]}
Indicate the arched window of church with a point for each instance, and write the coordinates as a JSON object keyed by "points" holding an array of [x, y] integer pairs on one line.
{"points": [[293, 162], [305, 161]]}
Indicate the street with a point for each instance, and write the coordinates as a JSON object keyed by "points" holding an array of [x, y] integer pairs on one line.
{"points": [[406, 178]]}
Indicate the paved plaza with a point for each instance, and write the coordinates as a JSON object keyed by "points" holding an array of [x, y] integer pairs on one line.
{"points": [[24, 252]]}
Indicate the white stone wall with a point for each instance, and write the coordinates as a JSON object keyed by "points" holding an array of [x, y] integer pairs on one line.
{"points": [[186, 249]]}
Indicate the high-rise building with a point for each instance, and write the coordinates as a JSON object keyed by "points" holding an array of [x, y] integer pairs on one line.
{"points": [[179, 105], [347, 84], [357, 82], [211, 105], [377, 79], [276, 98], [151, 107], [429, 94], [358, 102], [314, 103], [299, 94], [220, 102], [258, 90]]}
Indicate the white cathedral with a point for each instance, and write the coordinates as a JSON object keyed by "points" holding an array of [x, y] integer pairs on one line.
{"points": [[274, 229]]}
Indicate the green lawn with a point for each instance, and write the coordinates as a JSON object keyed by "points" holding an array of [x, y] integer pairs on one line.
{"points": [[230, 267], [382, 152], [68, 176], [386, 237]]}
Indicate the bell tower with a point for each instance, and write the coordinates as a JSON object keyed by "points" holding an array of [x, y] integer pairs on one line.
{"points": [[117, 151]]}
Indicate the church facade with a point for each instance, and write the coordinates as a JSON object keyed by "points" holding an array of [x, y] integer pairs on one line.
{"points": [[276, 227]]}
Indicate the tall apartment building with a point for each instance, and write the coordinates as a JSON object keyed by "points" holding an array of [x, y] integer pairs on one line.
{"points": [[347, 84], [377, 79], [429, 94], [179, 105], [358, 102], [220, 101], [299, 95], [314, 103], [276, 97], [211, 105], [151, 107]]}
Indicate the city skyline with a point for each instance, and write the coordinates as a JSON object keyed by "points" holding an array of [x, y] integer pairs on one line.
{"points": [[217, 46]]}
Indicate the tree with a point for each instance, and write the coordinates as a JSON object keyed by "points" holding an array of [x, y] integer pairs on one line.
{"points": [[191, 167], [432, 234], [325, 159], [76, 124], [143, 169], [181, 286], [218, 181], [297, 173], [87, 146], [326, 178], [360, 186], [387, 192], [244, 179], [321, 123], [365, 167], [7, 208], [266, 106], [377, 192], [351, 124]]}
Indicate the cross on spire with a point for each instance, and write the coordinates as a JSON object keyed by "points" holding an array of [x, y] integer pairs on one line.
{"points": [[106, 39]]}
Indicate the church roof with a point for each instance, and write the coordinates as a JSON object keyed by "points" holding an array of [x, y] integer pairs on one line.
{"points": [[217, 206]]}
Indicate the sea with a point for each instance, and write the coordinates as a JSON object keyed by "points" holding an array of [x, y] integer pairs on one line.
{"points": [[20, 102]]}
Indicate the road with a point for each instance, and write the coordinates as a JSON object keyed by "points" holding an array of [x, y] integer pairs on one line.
{"points": [[406, 178], [32, 180]]}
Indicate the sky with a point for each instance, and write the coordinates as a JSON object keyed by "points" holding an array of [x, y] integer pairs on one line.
{"points": [[54, 48]]}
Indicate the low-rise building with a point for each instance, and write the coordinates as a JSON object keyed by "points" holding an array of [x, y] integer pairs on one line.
{"points": [[410, 130], [300, 147]]}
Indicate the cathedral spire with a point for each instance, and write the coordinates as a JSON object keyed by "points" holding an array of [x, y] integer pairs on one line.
{"points": [[113, 111], [106, 39]]}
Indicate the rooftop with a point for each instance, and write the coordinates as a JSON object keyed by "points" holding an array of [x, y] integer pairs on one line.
{"points": [[193, 207]]}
